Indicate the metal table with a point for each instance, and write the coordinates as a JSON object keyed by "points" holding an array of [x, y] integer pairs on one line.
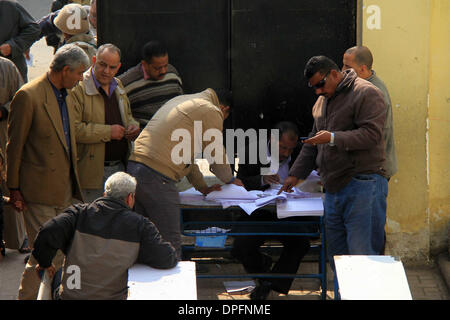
{"points": [[199, 205]]}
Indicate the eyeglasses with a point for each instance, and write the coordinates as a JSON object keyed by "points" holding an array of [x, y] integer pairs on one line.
{"points": [[319, 84]]}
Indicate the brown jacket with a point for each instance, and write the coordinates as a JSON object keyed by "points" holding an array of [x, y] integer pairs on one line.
{"points": [[155, 145], [38, 159], [356, 115], [91, 130], [10, 82]]}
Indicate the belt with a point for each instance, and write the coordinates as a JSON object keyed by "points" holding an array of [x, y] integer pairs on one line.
{"points": [[112, 163]]}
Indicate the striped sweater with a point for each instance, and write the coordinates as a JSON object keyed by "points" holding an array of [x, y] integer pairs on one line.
{"points": [[147, 96]]}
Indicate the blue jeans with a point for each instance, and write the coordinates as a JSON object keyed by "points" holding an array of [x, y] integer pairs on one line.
{"points": [[355, 217]]}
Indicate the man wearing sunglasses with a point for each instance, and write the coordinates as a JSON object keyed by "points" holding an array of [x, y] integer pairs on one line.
{"points": [[347, 145]]}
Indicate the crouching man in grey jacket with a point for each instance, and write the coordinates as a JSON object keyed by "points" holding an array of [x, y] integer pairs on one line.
{"points": [[101, 241]]}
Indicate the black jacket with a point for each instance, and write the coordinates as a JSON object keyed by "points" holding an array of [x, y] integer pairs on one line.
{"points": [[103, 239]]}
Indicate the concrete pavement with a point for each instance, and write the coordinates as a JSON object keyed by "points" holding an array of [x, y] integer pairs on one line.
{"points": [[426, 281]]}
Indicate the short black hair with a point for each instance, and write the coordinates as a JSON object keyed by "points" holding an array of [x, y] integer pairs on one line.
{"points": [[287, 127], [154, 48], [225, 97], [320, 64]]}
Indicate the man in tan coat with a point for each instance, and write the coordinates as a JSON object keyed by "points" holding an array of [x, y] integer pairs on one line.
{"points": [[156, 165], [41, 151], [103, 122]]}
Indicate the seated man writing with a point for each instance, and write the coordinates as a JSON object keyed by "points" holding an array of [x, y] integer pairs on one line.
{"points": [[247, 248], [101, 241]]}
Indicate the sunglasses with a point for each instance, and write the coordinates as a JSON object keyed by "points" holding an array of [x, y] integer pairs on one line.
{"points": [[319, 84]]}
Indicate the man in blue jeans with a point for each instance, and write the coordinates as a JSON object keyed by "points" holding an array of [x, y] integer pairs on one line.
{"points": [[346, 144]]}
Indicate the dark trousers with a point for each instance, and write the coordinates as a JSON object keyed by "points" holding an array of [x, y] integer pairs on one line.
{"points": [[247, 250], [157, 199]]}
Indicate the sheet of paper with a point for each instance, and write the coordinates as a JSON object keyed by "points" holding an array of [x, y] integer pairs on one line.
{"points": [[231, 191], [300, 207], [237, 286], [311, 183], [230, 203], [363, 277], [251, 206], [178, 283], [296, 193], [248, 207], [269, 199], [191, 195], [191, 192]]}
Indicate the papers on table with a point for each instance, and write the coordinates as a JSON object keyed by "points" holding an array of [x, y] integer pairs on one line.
{"points": [[191, 192], [249, 207], [249, 201], [300, 207], [178, 283], [232, 191]]}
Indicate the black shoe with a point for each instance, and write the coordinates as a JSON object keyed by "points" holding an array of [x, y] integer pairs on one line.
{"points": [[261, 291], [267, 263], [26, 259]]}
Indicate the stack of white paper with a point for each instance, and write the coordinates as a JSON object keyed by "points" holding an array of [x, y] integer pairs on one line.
{"points": [[300, 207], [232, 191]]}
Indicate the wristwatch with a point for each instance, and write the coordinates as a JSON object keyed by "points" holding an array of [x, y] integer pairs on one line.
{"points": [[331, 143]]}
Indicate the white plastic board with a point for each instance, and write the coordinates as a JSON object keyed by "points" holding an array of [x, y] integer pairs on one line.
{"points": [[363, 277]]}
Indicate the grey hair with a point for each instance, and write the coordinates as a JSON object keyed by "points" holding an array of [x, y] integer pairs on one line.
{"points": [[109, 47], [120, 185], [69, 55]]}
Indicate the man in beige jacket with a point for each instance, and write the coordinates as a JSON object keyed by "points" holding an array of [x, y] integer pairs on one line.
{"points": [[42, 172], [153, 164], [103, 122]]}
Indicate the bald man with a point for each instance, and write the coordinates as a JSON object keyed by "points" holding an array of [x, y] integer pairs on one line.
{"points": [[360, 59]]}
